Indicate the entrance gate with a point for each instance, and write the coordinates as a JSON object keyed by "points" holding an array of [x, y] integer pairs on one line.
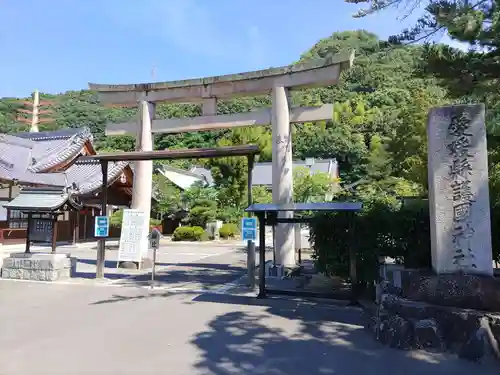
{"points": [[249, 151], [278, 82]]}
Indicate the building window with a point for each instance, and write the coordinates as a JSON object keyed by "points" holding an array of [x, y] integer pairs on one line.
{"points": [[17, 219]]}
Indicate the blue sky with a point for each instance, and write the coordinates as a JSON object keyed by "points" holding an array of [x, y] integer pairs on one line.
{"points": [[60, 45]]}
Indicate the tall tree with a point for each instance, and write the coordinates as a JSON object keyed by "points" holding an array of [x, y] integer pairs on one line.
{"points": [[476, 23], [230, 173]]}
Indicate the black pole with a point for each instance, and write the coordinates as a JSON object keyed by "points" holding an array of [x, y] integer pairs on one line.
{"points": [[262, 254], [101, 252], [353, 259], [28, 230], [249, 180], [250, 244]]}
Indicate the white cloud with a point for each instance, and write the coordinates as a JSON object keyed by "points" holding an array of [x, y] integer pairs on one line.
{"points": [[446, 39]]}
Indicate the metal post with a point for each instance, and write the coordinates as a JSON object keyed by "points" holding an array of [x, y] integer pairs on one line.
{"points": [[101, 250], [54, 234], [153, 270], [352, 259], [27, 249], [250, 244], [262, 255]]}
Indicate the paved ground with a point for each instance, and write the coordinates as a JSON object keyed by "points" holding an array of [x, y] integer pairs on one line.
{"points": [[188, 326], [179, 265], [68, 329]]}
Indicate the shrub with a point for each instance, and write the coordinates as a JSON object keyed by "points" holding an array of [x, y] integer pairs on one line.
{"points": [[154, 222], [230, 214], [201, 213], [380, 229], [228, 230], [189, 234]]}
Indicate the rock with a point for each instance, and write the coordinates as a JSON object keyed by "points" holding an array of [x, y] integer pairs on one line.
{"points": [[396, 332], [427, 335], [387, 288], [474, 349], [128, 265], [456, 325], [370, 320]]}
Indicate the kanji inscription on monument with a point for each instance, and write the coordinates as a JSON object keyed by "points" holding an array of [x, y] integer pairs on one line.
{"points": [[458, 190]]}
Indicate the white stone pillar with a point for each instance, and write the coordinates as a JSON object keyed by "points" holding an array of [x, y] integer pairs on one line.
{"points": [[143, 170], [459, 203], [282, 174]]}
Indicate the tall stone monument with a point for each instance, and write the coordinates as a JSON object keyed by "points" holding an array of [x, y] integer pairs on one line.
{"points": [[458, 190]]}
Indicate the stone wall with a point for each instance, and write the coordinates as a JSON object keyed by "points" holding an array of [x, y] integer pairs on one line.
{"points": [[408, 324], [38, 266]]}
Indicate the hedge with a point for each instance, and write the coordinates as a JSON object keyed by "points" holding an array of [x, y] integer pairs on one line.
{"points": [[228, 230], [400, 232], [186, 233]]}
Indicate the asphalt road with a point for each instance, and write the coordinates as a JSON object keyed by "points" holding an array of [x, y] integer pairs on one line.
{"points": [[69, 329], [83, 329]]}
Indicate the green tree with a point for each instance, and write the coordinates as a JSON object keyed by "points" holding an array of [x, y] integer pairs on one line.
{"points": [[311, 187], [198, 192], [167, 195], [476, 23], [230, 173]]}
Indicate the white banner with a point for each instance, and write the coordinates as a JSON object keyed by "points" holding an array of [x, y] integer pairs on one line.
{"points": [[133, 237]]}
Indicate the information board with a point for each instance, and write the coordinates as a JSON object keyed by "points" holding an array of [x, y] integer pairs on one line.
{"points": [[41, 230], [101, 227], [134, 237], [249, 229]]}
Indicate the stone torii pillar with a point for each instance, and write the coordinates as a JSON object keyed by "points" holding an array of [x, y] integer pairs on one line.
{"points": [[282, 174], [143, 170]]}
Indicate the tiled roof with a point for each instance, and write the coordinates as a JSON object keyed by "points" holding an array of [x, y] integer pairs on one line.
{"points": [[15, 160], [50, 152], [263, 172], [41, 199], [180, 177], [26, 156], [205, 173], [87, 176], [52, 135]]}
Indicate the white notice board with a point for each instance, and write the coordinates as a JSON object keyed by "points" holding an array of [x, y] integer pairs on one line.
{"points": [[133, 237]]}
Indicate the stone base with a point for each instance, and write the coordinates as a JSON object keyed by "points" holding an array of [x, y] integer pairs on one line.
{"points": [[280, 271], [144, 264], [38, 266], [455, 290], [405, 324]]}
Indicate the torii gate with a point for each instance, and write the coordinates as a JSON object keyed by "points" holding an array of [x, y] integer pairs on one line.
{"points": [[277, 81]]}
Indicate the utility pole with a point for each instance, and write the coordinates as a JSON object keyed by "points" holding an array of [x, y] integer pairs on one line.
{"points": [[35, 112], [153, 73]]}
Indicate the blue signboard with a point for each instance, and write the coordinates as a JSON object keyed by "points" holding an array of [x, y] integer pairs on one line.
{"points": [[249, 234], [249, 229], [249, 223], [101, 228]]}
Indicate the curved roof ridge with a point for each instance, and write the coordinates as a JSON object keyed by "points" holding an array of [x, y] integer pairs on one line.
{"points": [[64, 133], [94, 181], [61, 152]]}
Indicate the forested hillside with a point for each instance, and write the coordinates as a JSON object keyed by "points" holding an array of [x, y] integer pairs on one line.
{"points": [[377, 130]]}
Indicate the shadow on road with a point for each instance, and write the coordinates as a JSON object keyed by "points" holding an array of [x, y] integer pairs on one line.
{"points": [[215, 266], [323, 340]]}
